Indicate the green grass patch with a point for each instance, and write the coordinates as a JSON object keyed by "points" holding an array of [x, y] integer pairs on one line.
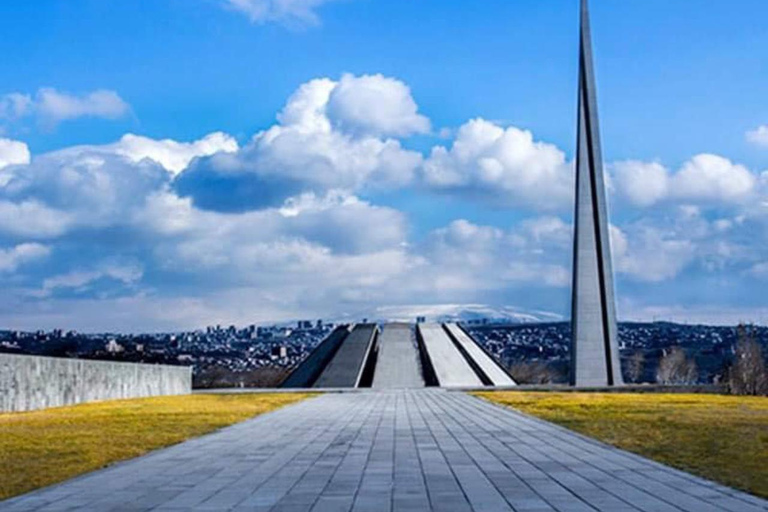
{"points": [[40, 448], [721, 438]]}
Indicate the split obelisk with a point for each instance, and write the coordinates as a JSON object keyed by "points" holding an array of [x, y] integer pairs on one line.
{"points": [[594, 347]]}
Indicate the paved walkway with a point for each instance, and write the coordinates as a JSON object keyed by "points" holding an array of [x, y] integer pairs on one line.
{"points": [[414, 450]]}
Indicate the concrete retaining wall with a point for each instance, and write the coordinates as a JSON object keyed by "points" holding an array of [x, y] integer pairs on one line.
{"points": [[31, 382]]}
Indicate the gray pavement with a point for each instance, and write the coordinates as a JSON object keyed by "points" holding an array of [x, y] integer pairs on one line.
{"points": [[398, 363], [404, 450]]}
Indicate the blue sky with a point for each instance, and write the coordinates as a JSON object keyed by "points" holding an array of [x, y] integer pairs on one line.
{"points": [[101, 230]]}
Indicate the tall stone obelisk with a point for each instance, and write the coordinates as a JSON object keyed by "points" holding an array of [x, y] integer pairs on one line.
{"points": [[594, 347]]}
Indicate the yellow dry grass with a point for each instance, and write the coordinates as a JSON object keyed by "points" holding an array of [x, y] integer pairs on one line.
{"points": [[40, 448], [722, 438]]}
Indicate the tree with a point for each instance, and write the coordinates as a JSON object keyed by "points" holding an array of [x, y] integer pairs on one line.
{"points": [[748, 374], [636, 366], [676, 368], [536, 372]]}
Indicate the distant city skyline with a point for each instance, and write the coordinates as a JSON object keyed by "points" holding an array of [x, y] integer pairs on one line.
{"points": [[178, 164]]}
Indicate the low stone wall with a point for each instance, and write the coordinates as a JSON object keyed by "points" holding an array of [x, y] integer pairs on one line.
{"points": [[31, 382]]}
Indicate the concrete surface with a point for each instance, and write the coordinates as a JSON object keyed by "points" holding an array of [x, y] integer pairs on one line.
{"points": [[397, 365], [403, 450], [487, 365], [32, 382], [594, 350], [450, 366], [345, 369], [305, 375]]}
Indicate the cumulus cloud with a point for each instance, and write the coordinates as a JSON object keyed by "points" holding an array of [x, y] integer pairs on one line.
{"points": [[758, 136], [309, 150], [375, 105], [174, 234], [174, 156], [468, 257], [51, 106], [81, 279], [291, 12], [12, 152], [650, 254], [642, 183], [504, 164], [11, 259], [75, 187], [32, 219], [712, 177], [705, 178], [15, 106]]}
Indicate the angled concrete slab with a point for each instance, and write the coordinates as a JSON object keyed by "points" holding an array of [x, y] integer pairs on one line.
{"points": [[449, 365], [486, 364], [397, 364], [308, 371], [345, 369]]}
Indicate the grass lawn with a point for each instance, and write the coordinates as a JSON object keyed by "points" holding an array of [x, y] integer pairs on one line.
{"points": [[40, 448], [722, 438]]}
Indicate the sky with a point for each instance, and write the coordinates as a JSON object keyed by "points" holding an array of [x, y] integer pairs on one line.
{"points": [[169, 164]]}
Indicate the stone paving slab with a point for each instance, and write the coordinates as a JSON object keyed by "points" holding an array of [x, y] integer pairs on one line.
{"points": [[404, 450]]}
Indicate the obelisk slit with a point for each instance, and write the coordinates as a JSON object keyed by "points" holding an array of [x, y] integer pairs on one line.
{"points": [[595, 360]]}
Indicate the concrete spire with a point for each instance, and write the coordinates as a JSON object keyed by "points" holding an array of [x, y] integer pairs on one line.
{"points": [[594, 347]]}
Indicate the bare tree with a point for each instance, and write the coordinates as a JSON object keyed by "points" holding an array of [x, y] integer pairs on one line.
{"points": [[636, 366], [676, 368], [536, 372], [748, 374], [221, 377]]}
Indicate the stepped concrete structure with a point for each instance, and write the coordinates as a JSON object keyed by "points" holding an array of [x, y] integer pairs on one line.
{"points": [[397, 363], [308, 372], [347, 367], [491, 370], [443, 355], [449, 365], [594, 348]]}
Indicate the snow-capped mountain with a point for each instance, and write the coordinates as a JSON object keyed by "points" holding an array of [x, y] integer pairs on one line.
{"points": [[457, 313]]}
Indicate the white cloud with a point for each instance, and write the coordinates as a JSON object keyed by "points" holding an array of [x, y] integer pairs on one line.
{"points": [[79, 186], [173, 155], [32, 219], [11, 259], [713, 178], [546, 230], [320, 246], [759, 136], [642, 183], [705, 179], [505, 165], [81, 279], [51, 106], [650, 254], [469, 258], [307, 151], [291, 12], [12, 152], [375, 105], [15, 105]]}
